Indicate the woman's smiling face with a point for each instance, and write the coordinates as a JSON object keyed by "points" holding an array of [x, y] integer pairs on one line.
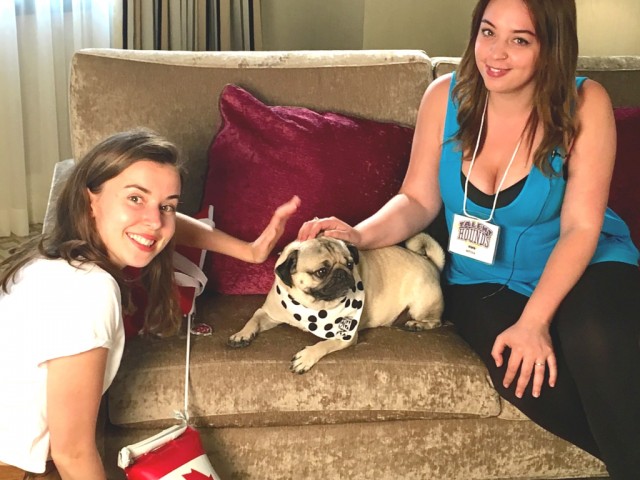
{"points": [[507, 48], [135, 212]]}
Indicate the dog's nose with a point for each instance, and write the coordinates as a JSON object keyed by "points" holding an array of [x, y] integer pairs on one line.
{"points": [[343, 277], [338, 283]]}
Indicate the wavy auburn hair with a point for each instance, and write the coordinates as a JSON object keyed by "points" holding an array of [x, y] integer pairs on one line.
{"points": [[74, 236], [555, 95]]}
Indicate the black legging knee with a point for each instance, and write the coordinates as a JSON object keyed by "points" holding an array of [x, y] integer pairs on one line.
{"points": [[596, 401]]}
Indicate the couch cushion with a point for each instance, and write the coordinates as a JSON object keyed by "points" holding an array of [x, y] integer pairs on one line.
{"points": [[389, 374], [439, 449], [338, 165]]}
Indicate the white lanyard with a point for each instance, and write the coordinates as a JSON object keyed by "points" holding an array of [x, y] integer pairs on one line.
{"points": [[473, 159], [471, 236]]}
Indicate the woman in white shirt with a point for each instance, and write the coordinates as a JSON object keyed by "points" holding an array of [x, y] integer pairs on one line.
{"points": [[62, 296], [61, 334]]}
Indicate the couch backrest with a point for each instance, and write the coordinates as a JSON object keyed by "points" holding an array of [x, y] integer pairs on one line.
{"points": [[619, 75], [176, 93]]}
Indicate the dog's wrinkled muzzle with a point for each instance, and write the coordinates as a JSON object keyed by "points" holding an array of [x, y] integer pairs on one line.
{"points": [[338, 284]]}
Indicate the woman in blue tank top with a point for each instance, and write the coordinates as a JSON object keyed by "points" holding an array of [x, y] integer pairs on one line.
{"points": [[542, 279]]}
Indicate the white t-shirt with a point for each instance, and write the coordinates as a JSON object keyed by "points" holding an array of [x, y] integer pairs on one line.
{"points": [[52, 310]]}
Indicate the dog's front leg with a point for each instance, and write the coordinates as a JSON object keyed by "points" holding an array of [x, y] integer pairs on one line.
{"points": [[309, 356], [259, 322]]}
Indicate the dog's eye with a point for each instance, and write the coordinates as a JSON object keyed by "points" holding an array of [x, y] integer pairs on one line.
{"points": [[350, 265], [321, 273]]}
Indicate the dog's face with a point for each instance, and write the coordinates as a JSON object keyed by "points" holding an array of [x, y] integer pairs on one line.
{"points": [[318, 272]]}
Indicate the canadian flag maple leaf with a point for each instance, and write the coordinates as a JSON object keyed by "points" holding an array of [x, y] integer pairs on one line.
{"points": [[195, 475]]}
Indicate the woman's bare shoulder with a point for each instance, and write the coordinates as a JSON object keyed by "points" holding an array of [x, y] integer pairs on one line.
{"points": [[592, 95], [438, 89], [434, 101]]}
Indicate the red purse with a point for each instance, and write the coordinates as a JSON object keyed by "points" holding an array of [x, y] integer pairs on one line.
{"points": [[173, 454]]}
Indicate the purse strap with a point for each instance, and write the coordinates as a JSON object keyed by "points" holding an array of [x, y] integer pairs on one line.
{"points": [[186, 370], [190, 275]]}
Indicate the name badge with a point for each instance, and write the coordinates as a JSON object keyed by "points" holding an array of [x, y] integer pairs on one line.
{"points": [[474, 238]]}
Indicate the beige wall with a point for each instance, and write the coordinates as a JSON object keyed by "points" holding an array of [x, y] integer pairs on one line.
{"points": [[440, 27], [609, 27], [312, 24]]}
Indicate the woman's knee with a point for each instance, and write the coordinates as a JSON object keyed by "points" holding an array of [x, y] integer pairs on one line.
{"points": [[597, 324]]}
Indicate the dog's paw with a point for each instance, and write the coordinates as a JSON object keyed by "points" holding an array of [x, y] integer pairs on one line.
{"points": [[240, 340], [419, 326], [304, 360]]}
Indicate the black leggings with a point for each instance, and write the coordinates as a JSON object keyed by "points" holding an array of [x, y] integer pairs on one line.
{"points": [[596, 331]]}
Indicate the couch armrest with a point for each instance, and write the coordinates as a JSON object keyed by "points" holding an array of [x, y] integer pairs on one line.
{"points": [[61, 172]]}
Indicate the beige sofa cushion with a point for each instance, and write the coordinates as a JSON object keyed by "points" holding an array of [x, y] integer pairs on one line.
{"points": [[389, 374], [454, 449]]}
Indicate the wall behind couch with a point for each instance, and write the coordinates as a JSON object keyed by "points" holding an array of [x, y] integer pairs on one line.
{"points": [[440, 27]]}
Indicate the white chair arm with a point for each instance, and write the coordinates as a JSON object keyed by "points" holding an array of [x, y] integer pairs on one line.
{"points": [[61, 172]]}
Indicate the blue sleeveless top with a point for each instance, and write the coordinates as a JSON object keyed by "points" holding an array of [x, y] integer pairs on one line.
{"points": [[529, 225]]}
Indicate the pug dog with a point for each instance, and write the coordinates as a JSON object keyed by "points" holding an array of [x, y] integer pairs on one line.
{"points": [[327, 287]]}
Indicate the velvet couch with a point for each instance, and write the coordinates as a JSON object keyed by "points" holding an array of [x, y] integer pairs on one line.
{"points": [[398, 405]]}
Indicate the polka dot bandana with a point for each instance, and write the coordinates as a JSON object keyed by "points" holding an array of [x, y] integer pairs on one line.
{"points": [[339, 322]]}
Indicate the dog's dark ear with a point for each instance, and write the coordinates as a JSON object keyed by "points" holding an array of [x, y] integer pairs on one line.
{"points": [[353, 250], [284, 270]]}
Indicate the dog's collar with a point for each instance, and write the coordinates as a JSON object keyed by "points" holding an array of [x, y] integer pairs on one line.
{"points": [[340, 322]]}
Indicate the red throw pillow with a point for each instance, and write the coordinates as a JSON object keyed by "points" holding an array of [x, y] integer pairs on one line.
{"points": [[262, 155], [624, 197]]}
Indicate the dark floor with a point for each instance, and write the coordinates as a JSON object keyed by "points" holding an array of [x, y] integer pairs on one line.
{"points": [[8, 243]]}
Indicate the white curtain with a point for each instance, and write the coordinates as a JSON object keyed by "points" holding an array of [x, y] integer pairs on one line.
{"points": [[37, 41]]}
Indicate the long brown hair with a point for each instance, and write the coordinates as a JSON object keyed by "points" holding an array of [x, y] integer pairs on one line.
{"points": [[74, 237], [555, 95]]}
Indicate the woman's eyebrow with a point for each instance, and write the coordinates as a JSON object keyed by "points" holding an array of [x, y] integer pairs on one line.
{"points": [[147, 191], [139, 187], [528, 32], [484, 20]]}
